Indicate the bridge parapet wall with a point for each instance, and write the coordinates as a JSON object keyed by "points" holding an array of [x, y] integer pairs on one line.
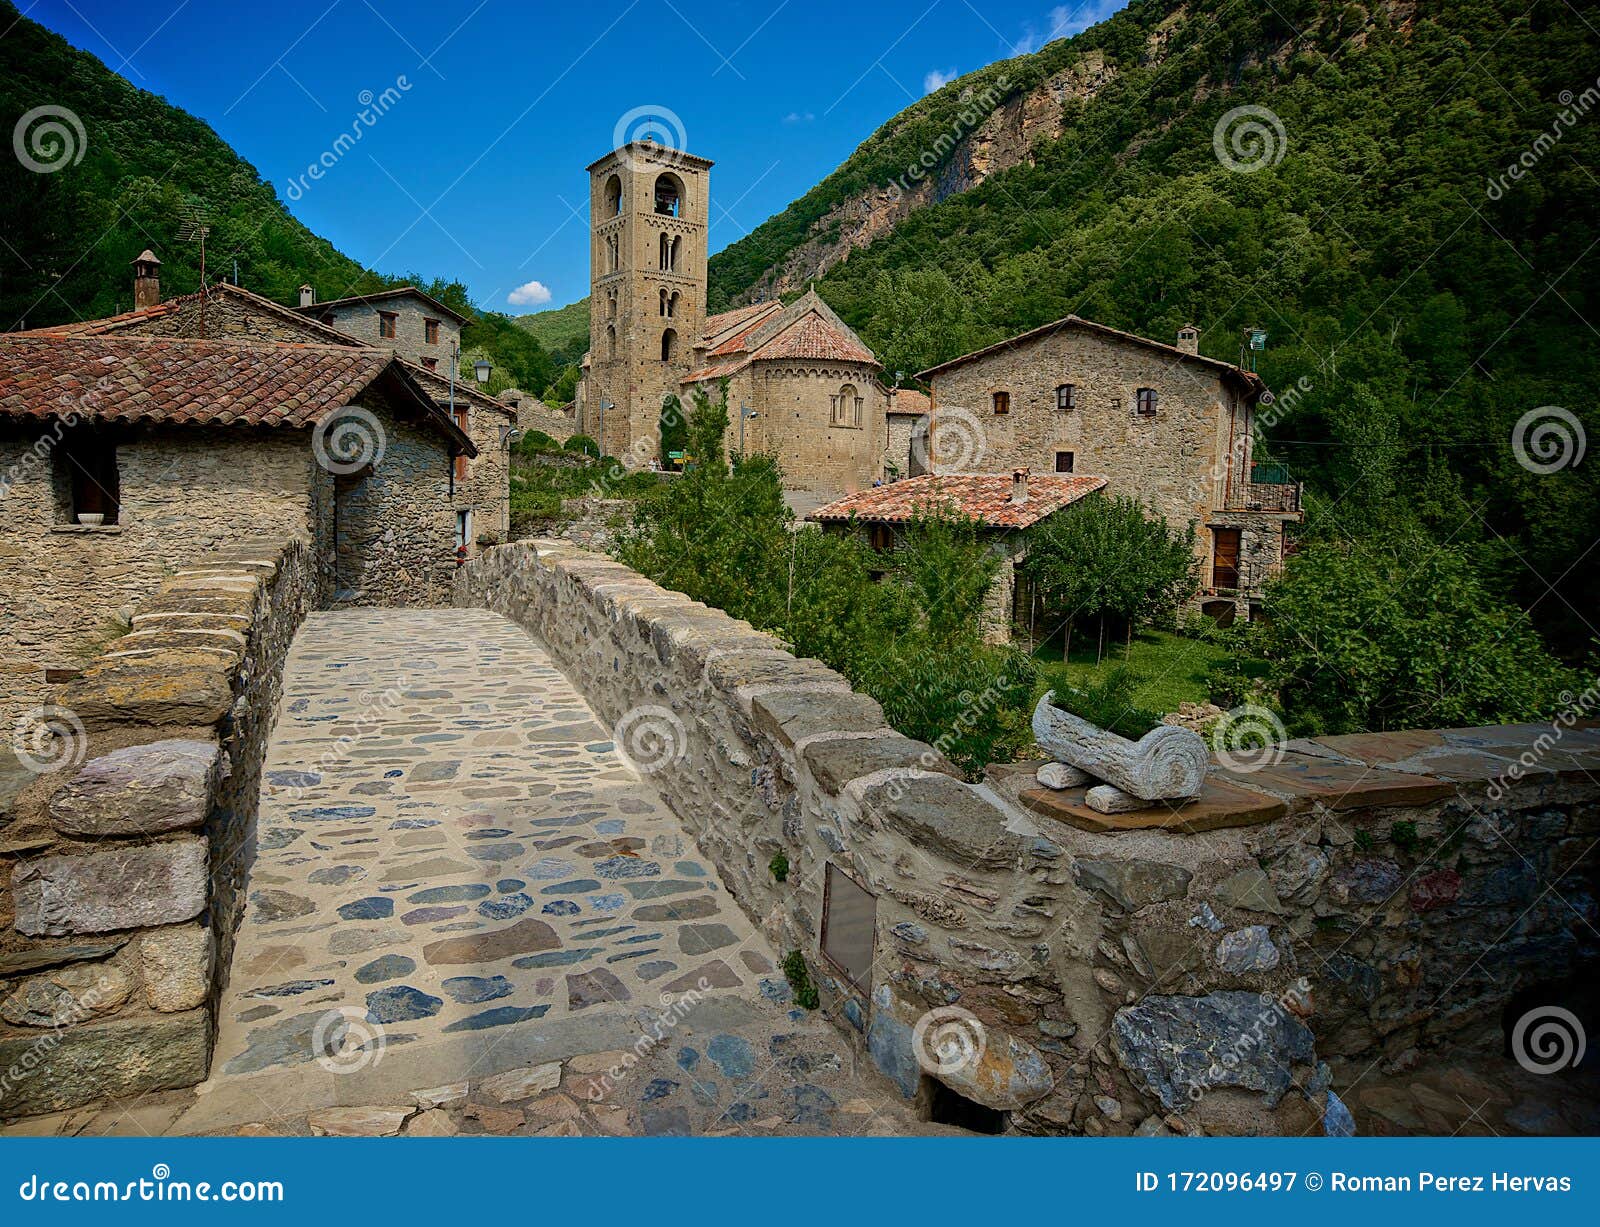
{"points": [[122, 865], [1215, 968]]}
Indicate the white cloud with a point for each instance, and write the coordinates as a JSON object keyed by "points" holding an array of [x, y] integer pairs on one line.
{"points": [[938, 80], [533, 294], [1064, 21], [798, 117]]}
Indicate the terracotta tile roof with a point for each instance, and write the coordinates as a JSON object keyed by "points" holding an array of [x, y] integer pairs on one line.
{"points": [[812, 336], [111, 323], [718, 324], [983, 496], [173, 380], [1249, 378], [808, 331], [716, 370], [909, 400]]}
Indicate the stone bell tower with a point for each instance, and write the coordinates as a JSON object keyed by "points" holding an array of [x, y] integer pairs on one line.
{"points": [[648, 211]]}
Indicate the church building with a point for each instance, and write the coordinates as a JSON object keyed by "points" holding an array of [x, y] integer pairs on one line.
{"points": [[801, 384]]}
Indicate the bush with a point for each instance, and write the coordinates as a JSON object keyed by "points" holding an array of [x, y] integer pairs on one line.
{"points": [[799, 976], [1108, 705], [583, 444]]}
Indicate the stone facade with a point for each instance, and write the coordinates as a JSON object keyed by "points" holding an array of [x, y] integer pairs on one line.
{"points": [[1223, 969], [1188, 461], [409, 312], [126, 862]]}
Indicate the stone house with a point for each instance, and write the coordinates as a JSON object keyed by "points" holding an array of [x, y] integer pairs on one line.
{"points": [[1162, 423], [1005, 506], [802, 385], [481, 491], [126, 458], [905, 435], [415, 325]]}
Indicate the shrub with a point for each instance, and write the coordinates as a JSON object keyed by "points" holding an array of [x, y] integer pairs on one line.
{"points": [[799, 976], [1108, 703], [583, 444], [779, 865]]}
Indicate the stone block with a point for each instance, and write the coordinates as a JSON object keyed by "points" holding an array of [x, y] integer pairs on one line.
{"points": [[1304, 781], [943, 815], [1132, 884], [20, 962], [120, 888], [176, 962], [67, 996], [1005, 1073], [168, 689], [141, 790], [104, 1060], [787, 716], [1220, 804], [836, 762]]}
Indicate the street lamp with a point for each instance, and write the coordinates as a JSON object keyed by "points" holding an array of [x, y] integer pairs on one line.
{"points": [[481, 369], [744, 412]]}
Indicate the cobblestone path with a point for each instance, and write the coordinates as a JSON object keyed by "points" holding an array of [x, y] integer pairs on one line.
{"points": [[459, 878]]}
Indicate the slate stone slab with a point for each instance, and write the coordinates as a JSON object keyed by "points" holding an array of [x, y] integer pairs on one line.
{"points": [[140, 790], [1181, 1047], [524, 937], [23, 961], [120, 888]]}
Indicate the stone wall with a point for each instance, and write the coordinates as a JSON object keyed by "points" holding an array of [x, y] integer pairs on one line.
{"points": [[185, 493], [1219, 968], [360, 320], [125, 860], [1183, 462]]}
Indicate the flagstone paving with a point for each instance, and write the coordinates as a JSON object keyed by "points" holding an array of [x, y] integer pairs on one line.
{"points": [[457, 877]]}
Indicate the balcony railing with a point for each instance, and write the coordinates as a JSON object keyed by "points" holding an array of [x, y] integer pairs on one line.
{"points": [[1247, 580], [1281, 497]]}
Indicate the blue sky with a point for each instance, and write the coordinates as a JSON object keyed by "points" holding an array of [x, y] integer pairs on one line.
{"points": [[474, 170]]}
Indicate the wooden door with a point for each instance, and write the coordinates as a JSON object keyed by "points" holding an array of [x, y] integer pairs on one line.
{"points": [[1225, 557]]}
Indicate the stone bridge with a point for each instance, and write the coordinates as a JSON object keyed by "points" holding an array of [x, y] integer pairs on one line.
{"points": [[532, 864]]}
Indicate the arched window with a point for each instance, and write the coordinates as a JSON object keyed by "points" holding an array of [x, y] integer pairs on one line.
{"points": [[847, 407], [1147, 402], [611, 341], [611, 304], [611, 253], [613, 196], [672, 305], [664, 307], [669, 345], [669, 194]]}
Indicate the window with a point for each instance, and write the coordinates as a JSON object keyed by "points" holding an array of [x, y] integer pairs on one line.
{"points": [[327, 318], [386, 324], [669, 304], [462, 421], [1064, 462], [880, 537], [669, 194], [611, 340], [1002, 402], [611, 253], [669, 345], [849, 926], [430, 331], [611, 304], [847, 406], [89, 485], [463, 528], [1066, 396], [671, 245], [613, 197], [430, 364], [1147, 402]]}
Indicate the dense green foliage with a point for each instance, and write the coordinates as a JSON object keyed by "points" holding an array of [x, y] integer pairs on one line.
{"points": [[544, 474], [146, 166], [722, 534], [1363, 639], [1415, 312]]}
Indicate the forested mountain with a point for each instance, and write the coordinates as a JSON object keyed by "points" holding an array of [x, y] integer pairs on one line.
{"points": [[136, 169], [1419, 299]]}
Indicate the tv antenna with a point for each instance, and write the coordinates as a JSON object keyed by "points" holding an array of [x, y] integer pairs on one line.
{"points": [[195, 227]]}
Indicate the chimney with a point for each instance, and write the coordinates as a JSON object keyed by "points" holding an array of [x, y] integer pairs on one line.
{"points": [[307, 296], [146, 280], [1019, 485], [1189, 339]]}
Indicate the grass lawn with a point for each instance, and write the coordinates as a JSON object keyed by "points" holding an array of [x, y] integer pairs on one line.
{"points": [[1172, 668]]}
